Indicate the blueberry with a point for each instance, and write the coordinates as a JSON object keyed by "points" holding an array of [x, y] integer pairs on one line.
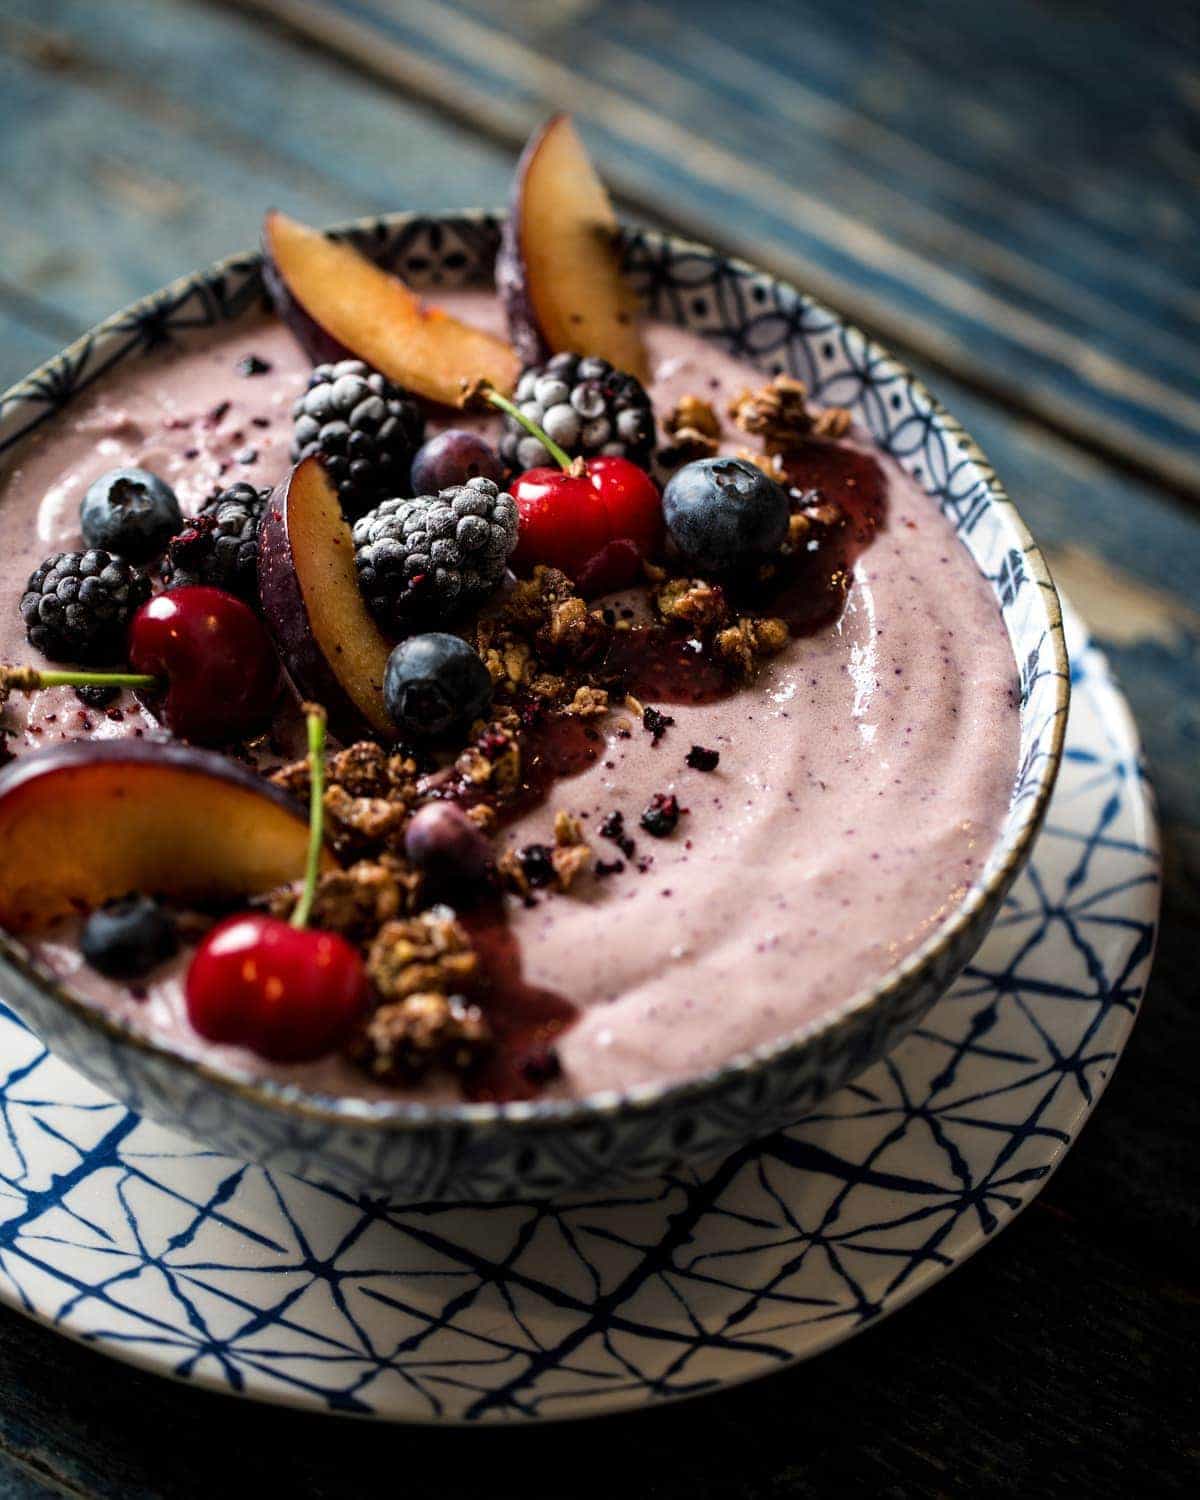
{"points": [[127, 938], [131, 512], [435, 686], [724, 512], [451, 458]]}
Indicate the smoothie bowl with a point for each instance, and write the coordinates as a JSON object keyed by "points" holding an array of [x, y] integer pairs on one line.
{"points": [[691, 705]]}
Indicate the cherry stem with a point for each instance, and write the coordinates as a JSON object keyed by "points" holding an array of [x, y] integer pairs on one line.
{"points": [[316, 812], [31, 679], [560, 456]]}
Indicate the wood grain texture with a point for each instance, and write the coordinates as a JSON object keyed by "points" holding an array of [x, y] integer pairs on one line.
{"points": [[1061, 1361], [933, 171]]}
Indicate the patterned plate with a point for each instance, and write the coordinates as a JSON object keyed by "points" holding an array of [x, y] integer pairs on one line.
{"points": [[202, 1267]]}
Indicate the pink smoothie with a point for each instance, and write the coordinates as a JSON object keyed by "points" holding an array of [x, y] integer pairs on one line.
{"points": [[863, 778]]}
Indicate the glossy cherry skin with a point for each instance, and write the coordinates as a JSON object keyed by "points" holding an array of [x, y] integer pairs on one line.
{"points": [[595, 526], [290, 994], [220, 668]]}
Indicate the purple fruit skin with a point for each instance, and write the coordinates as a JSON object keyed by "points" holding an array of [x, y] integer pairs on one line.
{"points": [[447, 847], [72, 755], [321, 347], [511, 283], [287, 620], [451, 458]]}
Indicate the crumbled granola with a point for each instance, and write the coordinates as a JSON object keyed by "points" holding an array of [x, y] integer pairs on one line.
{"points": [[695, 413], [536, 866], [684, 446], [816, 519], [369, 793], [406, 1038], [742, 645], [493, 760], [778, 413], [833, 422], [365, 822], [358, 900], [429, 951], [588, 703], [692, 602]]}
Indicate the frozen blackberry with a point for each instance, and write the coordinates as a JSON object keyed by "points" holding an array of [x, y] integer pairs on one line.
{"points": [[77, 605], [219, 545], [585, 406], [365, 428], [423, 558]]}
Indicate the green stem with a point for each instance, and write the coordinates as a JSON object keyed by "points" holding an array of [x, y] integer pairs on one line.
{"points": [[316, 812], [30, 679], [502, 403]]}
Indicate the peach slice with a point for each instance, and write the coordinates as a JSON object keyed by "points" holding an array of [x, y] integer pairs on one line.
{"points": [[559, 265], [87, 821], [330, 646], [339, 305]]}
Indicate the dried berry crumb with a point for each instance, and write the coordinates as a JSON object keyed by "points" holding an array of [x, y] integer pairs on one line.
{"points": [[609, 867], [251, 364], [701, 759], [537, 864], [247, 456], [662, 816], [657, 724], [613, 829], [217, 413]]}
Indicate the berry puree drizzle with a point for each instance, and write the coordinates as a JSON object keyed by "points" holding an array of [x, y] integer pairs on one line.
{"points": [[661, 663]]}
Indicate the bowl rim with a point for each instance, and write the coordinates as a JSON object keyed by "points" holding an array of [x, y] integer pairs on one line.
{"points": [[295, 1101]]}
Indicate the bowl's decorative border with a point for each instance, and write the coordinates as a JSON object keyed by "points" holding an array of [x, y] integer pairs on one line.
{"points": [[487, 1150]]}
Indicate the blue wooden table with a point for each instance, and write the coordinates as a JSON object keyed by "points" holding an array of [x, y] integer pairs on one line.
{"points": [[1008, 196]]}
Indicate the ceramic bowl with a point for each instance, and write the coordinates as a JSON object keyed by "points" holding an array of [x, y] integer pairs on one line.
{"points": [[407, 1152]]}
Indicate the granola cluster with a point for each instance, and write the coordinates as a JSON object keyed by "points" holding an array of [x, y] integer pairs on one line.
{"points": [[370, 793]]}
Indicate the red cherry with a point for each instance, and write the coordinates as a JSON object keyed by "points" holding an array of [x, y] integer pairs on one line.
{"points": [[632, 501], [221, 671], [596, 526], [290, 994], [563, 520]]}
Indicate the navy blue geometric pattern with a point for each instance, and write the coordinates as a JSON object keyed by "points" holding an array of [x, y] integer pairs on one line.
{"points": [[201, 1266], [546, 1147]]}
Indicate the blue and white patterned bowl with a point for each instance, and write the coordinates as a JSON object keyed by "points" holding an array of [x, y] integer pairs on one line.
{"points": [[405, 1152]]}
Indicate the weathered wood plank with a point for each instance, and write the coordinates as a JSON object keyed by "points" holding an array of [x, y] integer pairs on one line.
{"points": [[162, 132], [761, 121]]}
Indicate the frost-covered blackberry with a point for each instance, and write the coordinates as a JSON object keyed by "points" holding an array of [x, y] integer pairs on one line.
{"points": [[585, 406], [426, 557], [219, 545], [365, 428], [77, 605]]}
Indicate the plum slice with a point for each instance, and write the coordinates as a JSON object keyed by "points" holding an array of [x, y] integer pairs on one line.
{"points": [[559, 269], [339, 305], [87, 821], [331, 648]]}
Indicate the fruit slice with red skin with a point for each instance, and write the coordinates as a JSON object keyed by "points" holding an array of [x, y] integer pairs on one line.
{"points": [[88, 821], [558, 270], [339, 305], [290, 994], [595, 526], [330, 646]]}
